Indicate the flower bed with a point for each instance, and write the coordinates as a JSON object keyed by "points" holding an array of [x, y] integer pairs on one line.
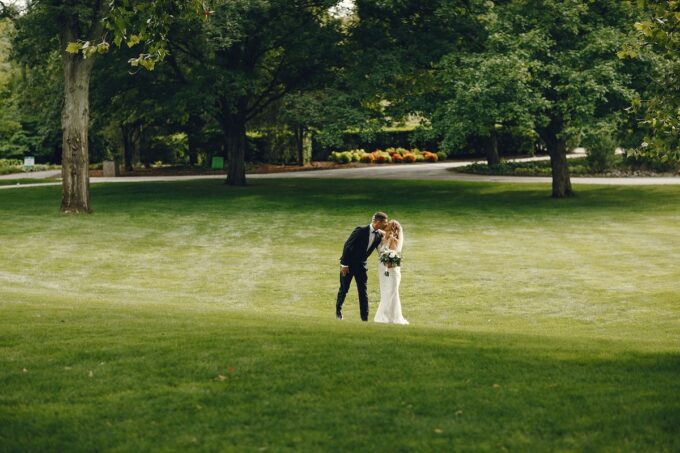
{"points": [[390, 155]]}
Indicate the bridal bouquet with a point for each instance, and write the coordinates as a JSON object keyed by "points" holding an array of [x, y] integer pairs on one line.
{"points": [[390, 257]]}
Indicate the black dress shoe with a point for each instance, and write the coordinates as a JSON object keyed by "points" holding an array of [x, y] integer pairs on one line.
{"points": [[338, 314]]}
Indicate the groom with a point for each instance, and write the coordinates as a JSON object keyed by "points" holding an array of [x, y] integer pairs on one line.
{"points": [[356, 251]]}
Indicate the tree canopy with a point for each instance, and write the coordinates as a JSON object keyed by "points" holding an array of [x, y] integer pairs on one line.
{"points": [[186, 81]]}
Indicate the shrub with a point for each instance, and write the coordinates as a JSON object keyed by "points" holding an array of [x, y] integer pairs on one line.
{"points": [[601, 151], [356, 155], [11, 163], [346, 157], [654, 157], [383, 158], [430, 157], [397, 158], [367, 158], [442, 155], [403, 151], [409, 158], [340, 157], [420, 158]]}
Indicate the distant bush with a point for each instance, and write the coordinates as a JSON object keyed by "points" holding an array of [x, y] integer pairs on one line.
{"points": [[430, 157], [10, 166], [345, 157], [390, 155], [601, 150], [382, 157], [654, 158], [409, 158], [577, 167], [11, 163], [367, 159]]}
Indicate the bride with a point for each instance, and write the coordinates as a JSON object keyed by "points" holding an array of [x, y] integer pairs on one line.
{"points": [[389, 310]]}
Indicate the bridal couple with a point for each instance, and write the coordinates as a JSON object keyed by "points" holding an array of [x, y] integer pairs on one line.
{"points": [[388, 238]]}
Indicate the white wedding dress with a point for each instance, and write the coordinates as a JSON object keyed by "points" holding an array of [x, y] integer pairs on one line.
{"points": [[389, 310]]}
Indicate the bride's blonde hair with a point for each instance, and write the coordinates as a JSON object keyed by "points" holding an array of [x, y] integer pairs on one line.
{"points": [[392, 230]]}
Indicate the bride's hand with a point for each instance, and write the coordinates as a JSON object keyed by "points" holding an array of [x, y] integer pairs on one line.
{"points": [[389, 265]]}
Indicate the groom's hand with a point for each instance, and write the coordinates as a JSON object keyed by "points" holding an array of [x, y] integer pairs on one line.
{"points": [[344, 270]]}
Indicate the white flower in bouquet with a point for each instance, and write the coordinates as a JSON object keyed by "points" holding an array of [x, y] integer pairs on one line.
{"points": [[390, 258]]}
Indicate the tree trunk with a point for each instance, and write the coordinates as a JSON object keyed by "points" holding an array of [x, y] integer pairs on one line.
{"points": [[492, 157], [131, 144], [557, 148], [75, 114], [194, 125], [303, 143], [561, 182], [234, 127], [74, 123]]}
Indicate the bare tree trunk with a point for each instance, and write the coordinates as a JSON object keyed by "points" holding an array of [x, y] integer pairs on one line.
{"points": [[492, 156], [194, 125], [557, 148], [74, 123], [561, 181], [234, 126], [127, 145], [303, 144], [75, 114], [131, 133]]}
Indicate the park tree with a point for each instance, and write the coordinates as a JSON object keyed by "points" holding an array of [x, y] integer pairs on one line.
{"points": [[658, 108], [130, 108], [11, 130], [396, 45], [29, 103], [82, 30], [280, 47], [486, 90], [570, 49]]}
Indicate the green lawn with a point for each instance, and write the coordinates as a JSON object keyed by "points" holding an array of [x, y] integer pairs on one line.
{"points": [[196, 316]]}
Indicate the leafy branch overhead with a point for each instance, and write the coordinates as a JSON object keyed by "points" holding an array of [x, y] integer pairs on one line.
{"points": [[131, 23]]}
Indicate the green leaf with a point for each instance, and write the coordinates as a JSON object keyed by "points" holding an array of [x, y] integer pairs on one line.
{"points": [[103, 47], [74, 47], [90, 52], [148, 63], [133, 40]]}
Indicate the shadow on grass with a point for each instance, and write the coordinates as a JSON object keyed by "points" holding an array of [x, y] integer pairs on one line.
{"points": [[331, 196], [214, 381]]}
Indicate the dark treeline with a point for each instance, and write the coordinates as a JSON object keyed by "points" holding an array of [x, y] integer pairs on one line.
{"points": [[289, 80]]}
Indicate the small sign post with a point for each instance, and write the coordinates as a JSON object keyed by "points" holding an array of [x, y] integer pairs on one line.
{"points": [[29, 162], [217, 163]]}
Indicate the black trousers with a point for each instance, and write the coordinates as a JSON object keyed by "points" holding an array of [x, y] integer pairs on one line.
{"points": [[358, 273]]}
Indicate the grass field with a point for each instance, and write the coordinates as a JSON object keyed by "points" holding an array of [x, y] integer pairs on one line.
{"points": [[195, 316]]}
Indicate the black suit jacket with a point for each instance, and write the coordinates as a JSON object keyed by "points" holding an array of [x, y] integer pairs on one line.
{"points": [[355, 250]]}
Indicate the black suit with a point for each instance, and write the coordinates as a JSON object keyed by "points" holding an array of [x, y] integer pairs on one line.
{"points": [[354, 254]]}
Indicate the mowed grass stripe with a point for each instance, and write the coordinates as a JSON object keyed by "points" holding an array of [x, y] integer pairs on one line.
{"points": [[197, 316]]}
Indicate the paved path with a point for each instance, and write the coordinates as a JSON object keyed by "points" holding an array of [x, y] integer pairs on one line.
{"points": [[33, 175], [441, 171]]}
